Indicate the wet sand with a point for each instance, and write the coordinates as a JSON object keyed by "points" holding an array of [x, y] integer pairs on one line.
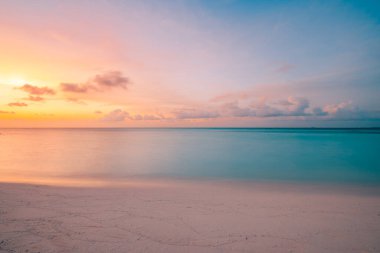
{"points": [[184, 216]]}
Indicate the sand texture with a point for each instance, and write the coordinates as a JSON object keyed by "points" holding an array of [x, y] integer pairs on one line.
{"points": [[188, 217]]}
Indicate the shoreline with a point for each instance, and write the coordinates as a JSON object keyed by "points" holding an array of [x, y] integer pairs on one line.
{"points": [[364, 188], [188, 216]]}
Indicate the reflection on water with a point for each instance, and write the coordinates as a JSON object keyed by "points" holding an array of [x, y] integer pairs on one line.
{"points": [[257, 154]]}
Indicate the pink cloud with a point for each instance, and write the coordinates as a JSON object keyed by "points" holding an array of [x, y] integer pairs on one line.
{"points": [[35, 98], [17, 104], [193, 113], [73, 87], [340, 108], [99, 83], [76, 101], [121, 115], [234, 110], [146, 117], [34, 90], [227, 97], [116, 115]]}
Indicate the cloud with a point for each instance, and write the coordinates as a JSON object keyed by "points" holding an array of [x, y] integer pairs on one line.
{"points": [[286, 67], [264, 110], [116, 116], [111, 79], [298, 107], [99, 83], [234, 110], [35, 93], [233, 96], [317, 111], [146, 117], [17, 104], [292, 106], [34, 90], [76, 101], [347, 111], [34, 98], [295, 106], [341, 109], [121, 115], [192, 113], [6, 112], [73, 87]]}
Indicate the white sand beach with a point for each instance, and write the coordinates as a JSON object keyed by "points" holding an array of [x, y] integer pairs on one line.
{"points": [[176, 216]]}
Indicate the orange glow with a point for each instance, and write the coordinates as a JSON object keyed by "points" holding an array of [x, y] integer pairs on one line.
{"points": [[83, 182]]}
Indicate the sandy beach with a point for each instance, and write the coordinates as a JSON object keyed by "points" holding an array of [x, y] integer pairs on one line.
{"points": [[176, 216]]}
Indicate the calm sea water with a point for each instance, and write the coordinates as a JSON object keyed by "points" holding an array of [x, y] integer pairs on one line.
{"points": [[337, 156]]}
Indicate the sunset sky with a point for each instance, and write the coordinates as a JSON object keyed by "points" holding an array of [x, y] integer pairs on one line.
{"points": [[189, 63]]}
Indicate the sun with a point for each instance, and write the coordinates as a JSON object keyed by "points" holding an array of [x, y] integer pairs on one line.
{"points": [[17, 81], [14, 81]]}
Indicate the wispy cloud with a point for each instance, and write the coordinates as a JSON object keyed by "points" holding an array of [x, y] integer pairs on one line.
{"points": [[19, 104], [6, 112], [347, 111], [73, 87], [116, 116], [291, 107], [233, 96], [147, 117], [193, 113], [35, 98], [233, 109], [98, 83], [295, 106], [121, 115], [286, 67], [76, 101], [35, 93]]}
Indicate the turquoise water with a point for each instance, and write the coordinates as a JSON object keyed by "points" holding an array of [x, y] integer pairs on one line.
{"points": [[315, 155]]}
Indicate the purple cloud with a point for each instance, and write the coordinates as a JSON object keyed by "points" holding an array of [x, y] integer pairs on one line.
{"points": [[111, 79], [295, 106], [146, 117], [73, 87], [99, 83], [116, 116], [289, 107], [347, 111], [192, 113], [121, 115], [234, 110]]}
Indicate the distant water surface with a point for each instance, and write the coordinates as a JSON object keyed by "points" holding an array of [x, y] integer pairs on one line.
{"points": [[315, 155]]}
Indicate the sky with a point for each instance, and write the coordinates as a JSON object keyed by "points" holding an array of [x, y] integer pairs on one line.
{"points": [[211, 63]]}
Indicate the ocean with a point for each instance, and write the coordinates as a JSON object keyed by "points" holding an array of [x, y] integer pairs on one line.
{"points": [[349, 156]]}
